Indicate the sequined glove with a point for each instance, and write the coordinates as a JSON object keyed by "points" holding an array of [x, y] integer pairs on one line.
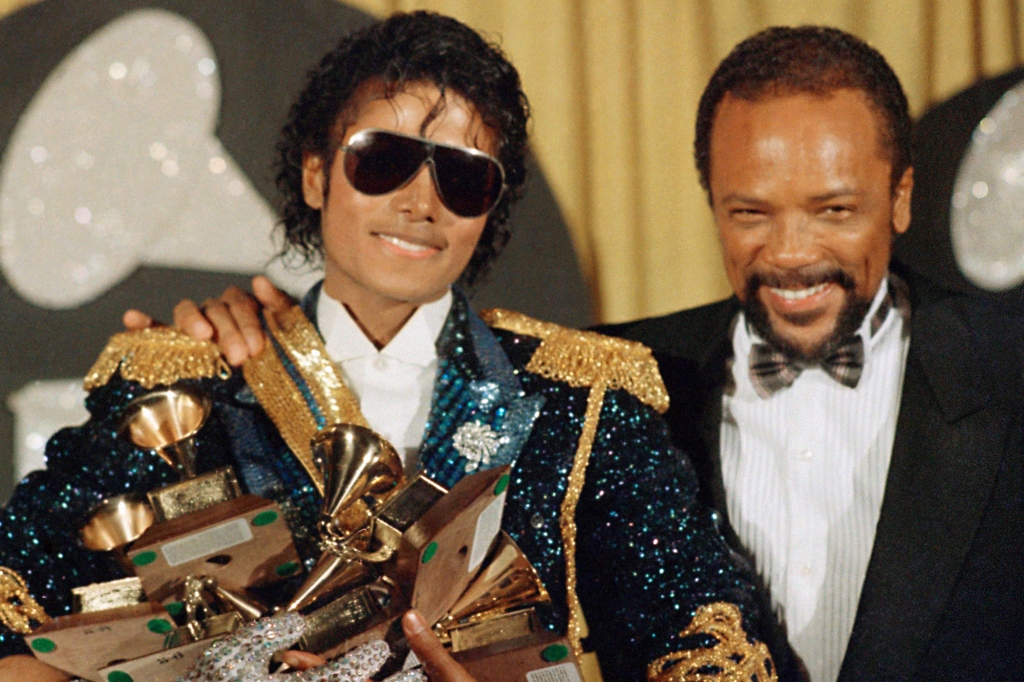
{"points": [[245, 657]]}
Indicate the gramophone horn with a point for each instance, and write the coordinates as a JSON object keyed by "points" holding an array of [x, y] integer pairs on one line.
{"points": [[166, 421], [361, 471], [115, 522]]}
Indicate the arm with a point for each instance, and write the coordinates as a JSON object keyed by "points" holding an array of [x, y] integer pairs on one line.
{"points": [[21, 668], [232, 320], [651, 564]]}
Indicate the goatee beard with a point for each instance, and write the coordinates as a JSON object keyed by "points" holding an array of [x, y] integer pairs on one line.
{"points": [[851, 316]]}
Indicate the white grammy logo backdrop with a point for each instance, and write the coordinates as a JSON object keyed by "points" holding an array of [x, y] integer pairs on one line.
{"points": [[115, 164]]}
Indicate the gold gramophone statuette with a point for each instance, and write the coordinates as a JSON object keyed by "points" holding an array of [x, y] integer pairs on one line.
{"points": [[166, 422], [202, 525]]}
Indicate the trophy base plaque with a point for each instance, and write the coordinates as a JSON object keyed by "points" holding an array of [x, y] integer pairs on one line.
{"points": [[83, 643], [542, 657], [242, 543]]}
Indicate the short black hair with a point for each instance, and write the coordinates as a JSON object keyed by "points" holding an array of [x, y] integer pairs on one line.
{"points": [[808, 59], [406, 48]]}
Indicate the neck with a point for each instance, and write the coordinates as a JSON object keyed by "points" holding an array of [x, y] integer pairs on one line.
{"points": [[379, 317]]}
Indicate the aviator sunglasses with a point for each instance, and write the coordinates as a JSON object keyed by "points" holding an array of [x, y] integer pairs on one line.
{"points": [[468, 181]]}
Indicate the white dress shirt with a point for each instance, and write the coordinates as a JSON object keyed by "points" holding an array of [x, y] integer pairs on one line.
{"points": [[804, 473], [395, 384]]}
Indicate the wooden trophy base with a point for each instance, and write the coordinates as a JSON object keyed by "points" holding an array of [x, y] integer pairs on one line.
{"points": [[545, 657], [241, 543], [83, 643], [162, 666]]}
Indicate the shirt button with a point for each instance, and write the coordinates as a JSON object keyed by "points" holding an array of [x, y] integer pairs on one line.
{"points": [[381, 363], [806, 570], [806, 455], [537, 521]]}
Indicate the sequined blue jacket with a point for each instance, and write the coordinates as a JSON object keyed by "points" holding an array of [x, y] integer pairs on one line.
{"points": [[647, 555]]}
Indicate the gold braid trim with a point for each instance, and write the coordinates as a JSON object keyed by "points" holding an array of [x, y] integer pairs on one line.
{"points": [[304, 347], [577, 477], [17, 607], [581, 358], [282, 400], [156, 356], [734, 656]]}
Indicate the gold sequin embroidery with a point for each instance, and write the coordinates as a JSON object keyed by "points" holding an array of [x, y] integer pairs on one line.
{"points": [[17, 607], [733, 657], [284, 402], [581, 358], [156, 356]]}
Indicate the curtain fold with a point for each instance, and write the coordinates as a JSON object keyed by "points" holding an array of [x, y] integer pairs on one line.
{"points": [[614, 86]]}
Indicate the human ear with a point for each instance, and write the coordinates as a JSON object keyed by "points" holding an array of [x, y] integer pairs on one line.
{"points": [[313, 180], [901, 201]]}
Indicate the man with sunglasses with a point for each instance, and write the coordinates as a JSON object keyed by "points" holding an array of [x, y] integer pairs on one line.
{"points": [[399, 163]]}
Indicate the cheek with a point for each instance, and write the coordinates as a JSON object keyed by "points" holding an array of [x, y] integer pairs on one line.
{"points": [[464, 239]]}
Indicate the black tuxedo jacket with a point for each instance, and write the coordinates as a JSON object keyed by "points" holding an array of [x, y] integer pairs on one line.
{"points": [[943, 598]]}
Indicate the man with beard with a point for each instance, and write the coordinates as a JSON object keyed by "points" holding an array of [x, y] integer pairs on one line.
{"points": [[859, 432]]}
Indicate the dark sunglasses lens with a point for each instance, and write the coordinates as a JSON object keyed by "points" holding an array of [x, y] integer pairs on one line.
{"points": [[469, 184], [378, 163]]}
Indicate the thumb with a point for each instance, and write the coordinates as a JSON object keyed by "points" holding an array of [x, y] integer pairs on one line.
{"points": [[270, 296], [438, 663]]}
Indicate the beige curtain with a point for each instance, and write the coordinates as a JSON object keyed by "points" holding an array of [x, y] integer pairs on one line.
{"points": [[614, 86]]}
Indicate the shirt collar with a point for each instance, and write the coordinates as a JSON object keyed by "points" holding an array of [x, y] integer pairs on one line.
{"points": [[414, 344]]}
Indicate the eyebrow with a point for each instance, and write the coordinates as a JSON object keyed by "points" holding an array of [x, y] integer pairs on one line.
{"points": [[818, 198]]}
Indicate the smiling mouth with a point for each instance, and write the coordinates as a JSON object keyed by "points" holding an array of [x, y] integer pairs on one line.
{"points": [[798, 294], [411, 247]]}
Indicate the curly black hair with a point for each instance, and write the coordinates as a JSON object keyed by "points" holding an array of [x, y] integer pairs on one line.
{"points": [[807, 59], [404, 49]]}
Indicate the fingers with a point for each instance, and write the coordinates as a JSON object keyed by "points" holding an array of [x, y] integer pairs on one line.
{"points": [[189, 318], [355, 666], [301, 660], [269, 295], [135, 320], [437, 662], [232, 321]]}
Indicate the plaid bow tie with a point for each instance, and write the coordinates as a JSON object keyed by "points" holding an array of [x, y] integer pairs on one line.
{"points": [[772, 370]]}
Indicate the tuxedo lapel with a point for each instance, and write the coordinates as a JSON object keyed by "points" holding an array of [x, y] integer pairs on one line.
{"points": [[945, 459]]}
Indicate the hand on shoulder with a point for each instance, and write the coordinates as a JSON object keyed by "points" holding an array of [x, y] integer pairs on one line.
{"points": [[231, 320]]}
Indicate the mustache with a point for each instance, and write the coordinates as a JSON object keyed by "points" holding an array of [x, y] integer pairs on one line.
{"points": [[803, 278]]}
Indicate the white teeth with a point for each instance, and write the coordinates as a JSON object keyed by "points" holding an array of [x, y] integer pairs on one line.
{"points": [[401, 243], [796, 295]]}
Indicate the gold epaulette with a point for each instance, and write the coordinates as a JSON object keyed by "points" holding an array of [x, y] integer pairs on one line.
{"points": [[18, 610], [733, 656], [581, 358], [156, 356]]}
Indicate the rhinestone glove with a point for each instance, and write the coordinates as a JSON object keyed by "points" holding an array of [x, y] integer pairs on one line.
{"points": [[245, 656]]}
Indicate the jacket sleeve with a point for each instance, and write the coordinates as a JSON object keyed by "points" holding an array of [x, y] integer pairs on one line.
{"points": [[39, 526], [657, 580]]}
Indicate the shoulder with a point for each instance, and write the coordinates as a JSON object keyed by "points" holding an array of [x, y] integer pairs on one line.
{"points": [[156, 356], [580, 358], [973, 339], [686, 333]]}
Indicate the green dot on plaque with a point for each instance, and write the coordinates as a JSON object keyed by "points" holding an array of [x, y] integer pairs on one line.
{"points": [[500, 486], [264, 518], [429, 552], [287, 569], [159, 626], [43, 645], [144, 558], [174, 608], [118, 676], [555, 653]]}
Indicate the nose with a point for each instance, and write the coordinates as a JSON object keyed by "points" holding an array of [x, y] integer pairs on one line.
{"points": [[418, 199], [791, 242]]}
